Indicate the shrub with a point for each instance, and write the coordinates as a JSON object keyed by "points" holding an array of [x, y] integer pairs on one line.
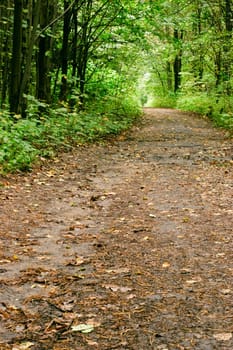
{"points": [[23, 141]]}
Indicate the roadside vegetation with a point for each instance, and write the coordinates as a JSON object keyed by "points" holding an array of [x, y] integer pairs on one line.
{"points": [[30, 140], [192, 59]]}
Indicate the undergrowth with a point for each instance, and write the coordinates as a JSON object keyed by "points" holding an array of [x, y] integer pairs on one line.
{"points": [[25, 141], [219, 109], [164, 101]]}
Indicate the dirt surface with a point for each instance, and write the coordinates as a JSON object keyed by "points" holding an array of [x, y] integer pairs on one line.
{"points": [[125, 245]]}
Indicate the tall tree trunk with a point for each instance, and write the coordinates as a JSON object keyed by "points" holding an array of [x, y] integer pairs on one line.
{"points": [[74, 41], [227, 66], [5, 48], [218, 68], [177, 66], [169, 76], [65, 50], [31, 41], [43, 58], [198, 61], [5, 70], [83, 48], [229, 15], [82, 67], [16, 59]]}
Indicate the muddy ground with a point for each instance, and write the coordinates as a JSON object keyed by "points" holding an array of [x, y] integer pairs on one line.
{"points": [[123, 245]]}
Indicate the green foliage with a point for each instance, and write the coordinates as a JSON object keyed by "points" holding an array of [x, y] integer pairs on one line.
{"points": [[224, 120], [199, 102], [24, 142], [164, 101], [218, 109], [15, 151]]}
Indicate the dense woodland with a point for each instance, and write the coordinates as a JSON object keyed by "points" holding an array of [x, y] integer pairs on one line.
{"points": [[75, 70]]}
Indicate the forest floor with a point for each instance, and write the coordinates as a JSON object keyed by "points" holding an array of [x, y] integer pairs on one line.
{"points": [[122, 245]]}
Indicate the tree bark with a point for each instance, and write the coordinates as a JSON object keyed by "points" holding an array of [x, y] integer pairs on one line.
{"points": [[43, 87], [177, 66], [16, 58], [65, 50], [5, 49], [227, 66], [31, 41]]}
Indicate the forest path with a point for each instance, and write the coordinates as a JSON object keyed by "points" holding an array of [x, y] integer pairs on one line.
{"points": [[131, 239]]}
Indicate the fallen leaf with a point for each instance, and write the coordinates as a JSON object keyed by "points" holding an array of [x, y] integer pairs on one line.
{"points": [[220, 255], [20, 328], [146, 238], [78, 261], [226, 291], [92, 343], [131, 296], [83, 328], [51, 173], [223, 336], [193, 281], [116, 288], [119, 271], [166, 265], [186, 219], [110, 194], [23, 346]]}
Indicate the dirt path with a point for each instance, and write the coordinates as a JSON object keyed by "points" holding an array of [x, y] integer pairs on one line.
{"points": [[131, 239]]}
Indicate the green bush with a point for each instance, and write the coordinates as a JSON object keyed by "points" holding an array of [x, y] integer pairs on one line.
{"points": [[164, 101], [218, 109], [24, 141], [199, 103], [16, 153]]}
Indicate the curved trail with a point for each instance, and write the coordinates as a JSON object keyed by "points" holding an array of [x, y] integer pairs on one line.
{"points": [[133, 238]]}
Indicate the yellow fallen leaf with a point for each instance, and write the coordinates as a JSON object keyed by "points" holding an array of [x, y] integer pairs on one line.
{"points": [[226, 291], [193, 281], [166, 265], [223, 336], [146, 238], [186, 219], [79, 261]]}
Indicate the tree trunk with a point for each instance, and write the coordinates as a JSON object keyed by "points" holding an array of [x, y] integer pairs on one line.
{"points": [[43, 58], [229, 15], [16, 59], [169, 76], [5, 49], [74, 41], [227, 66], [29, 53], [218, 68], [65, 51], [177, 66]]}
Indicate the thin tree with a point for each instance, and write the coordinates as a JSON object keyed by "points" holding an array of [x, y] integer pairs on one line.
{"points": [[16, 72], [43, 81]]}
